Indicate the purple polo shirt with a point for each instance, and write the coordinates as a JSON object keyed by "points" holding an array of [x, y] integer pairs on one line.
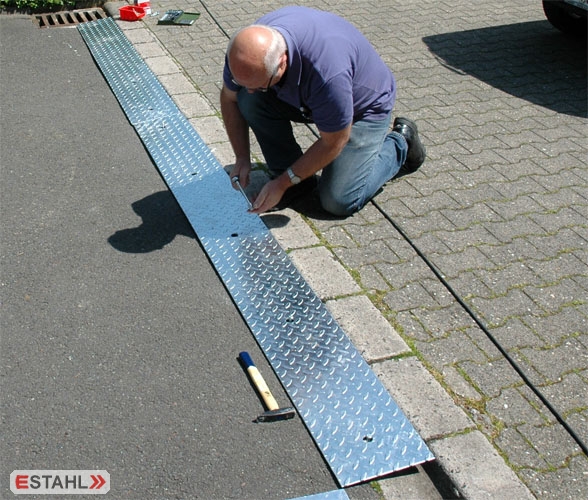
{"points": [[334, 72]]}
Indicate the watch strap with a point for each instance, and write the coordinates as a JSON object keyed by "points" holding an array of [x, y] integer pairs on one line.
{"points": [[294, 179]]}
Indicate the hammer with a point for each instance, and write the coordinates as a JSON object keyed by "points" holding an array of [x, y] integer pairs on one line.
{"points": [[274, 412]]}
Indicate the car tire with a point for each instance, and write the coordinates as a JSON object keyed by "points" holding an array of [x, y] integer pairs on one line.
{"points": [[563, 20]]}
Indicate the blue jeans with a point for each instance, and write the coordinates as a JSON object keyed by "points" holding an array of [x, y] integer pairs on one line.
{"points": [[371, 157]]}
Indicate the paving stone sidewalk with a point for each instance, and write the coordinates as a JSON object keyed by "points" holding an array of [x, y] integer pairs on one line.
{"points": [[499, 208]]}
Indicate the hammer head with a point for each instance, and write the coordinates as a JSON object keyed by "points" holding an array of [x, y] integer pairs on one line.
{"points": [[275, 415]]}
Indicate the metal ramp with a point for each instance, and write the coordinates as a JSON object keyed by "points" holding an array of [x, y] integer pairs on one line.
{"points": [[356, 425]]}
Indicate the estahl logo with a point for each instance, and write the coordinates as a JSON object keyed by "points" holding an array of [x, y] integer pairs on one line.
{"points": [[59, 482]]}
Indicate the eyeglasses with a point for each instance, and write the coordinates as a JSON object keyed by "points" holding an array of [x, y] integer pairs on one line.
{"points": [[259, 89]]}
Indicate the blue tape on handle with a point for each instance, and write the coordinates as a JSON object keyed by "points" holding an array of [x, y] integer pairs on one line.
{"points": [[246, 359]]}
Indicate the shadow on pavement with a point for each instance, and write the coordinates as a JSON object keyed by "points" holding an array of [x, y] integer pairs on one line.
{"points": [[162, 220], [530, 60]]}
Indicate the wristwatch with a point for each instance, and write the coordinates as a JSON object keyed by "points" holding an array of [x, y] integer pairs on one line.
{"points": [[294, 179]]}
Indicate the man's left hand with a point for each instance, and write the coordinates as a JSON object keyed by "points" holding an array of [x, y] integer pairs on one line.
{"points": [[269, 196]]}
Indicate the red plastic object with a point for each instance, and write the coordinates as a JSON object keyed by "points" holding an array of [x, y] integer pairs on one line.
{"points": [[146, 6], [131, 13]]}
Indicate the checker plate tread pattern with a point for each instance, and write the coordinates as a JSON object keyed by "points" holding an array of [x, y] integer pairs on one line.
{"points": [[356, 425]]}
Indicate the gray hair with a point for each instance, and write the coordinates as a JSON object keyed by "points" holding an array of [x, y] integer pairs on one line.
{"points": [[274, 52]]}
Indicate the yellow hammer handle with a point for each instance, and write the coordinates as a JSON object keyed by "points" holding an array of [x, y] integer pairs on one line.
{"points": [[259, 382], [262, 387]]}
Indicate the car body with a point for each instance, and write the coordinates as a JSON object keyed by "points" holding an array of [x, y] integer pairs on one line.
{"points": [[568, 16]]}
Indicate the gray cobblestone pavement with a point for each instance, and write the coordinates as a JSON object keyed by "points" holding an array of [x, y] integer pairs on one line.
{"points": [[499, 208]]}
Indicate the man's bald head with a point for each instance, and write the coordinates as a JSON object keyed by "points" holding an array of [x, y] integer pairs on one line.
{"points": [[255, 51]]}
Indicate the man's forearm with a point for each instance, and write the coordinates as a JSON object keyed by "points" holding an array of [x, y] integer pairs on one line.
{"points": [[236, 127], [322, 152], [317, 157]]}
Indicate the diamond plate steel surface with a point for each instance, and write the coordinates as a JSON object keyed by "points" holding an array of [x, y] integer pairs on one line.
{"points": [[327, 495], [355, 423]]}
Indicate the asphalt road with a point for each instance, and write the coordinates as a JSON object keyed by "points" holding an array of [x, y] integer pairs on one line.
{"points": [[119, 342]]}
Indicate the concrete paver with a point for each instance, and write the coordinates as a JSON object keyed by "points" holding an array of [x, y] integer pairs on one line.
{"points": [[478, 472]]}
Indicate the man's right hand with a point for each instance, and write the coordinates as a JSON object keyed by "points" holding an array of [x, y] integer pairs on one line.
{"points": [[238, 133], [241, 169]]}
